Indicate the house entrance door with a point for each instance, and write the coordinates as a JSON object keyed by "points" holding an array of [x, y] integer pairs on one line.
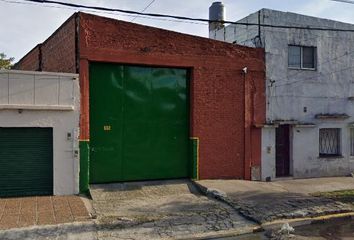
{"points": [[282, 155]]}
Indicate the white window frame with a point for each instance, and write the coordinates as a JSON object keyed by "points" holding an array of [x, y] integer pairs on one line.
{"points": [[301, 57], [351, 141]]}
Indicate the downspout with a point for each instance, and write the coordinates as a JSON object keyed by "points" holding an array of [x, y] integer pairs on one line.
{"points": [[259, 29], [247, 127], [40, 58], [77, 51]]}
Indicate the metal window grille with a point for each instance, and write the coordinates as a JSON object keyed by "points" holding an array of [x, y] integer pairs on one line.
{"points": [[329, 142], [352, 142]]}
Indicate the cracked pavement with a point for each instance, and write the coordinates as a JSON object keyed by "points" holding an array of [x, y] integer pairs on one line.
{"points": [[162, 210], [146, 210], [176, 210], [265, 202]]}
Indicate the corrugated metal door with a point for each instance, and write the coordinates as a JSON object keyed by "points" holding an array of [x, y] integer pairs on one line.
{"points": [[26, 161], [138, 123]]}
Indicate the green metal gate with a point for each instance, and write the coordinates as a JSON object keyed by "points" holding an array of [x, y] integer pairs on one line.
{"points": [[139, 123], [26, 161]]}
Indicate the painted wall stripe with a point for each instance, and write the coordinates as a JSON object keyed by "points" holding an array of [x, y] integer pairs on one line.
{"points": [[195, 148]]}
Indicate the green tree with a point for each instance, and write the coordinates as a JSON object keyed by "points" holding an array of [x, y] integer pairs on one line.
{"points": [[5, 62]]}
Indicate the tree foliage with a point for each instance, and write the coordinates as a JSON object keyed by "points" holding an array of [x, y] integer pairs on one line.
{"points": [[5, 62]]}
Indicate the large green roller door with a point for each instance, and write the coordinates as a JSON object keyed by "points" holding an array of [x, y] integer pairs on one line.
{"points": [[138, 123], [26, 161]]}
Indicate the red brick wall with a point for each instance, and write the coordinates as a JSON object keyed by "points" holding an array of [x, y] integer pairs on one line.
{"points": [[223, 108], [59, 50], [217, 85], [57, 53], [30, 61], [255, 110]]}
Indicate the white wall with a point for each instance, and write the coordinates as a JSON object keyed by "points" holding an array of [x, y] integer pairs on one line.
{"points": [[329, 89], [304, 155], [308, 163], [39, 99], [326, 90], [268, 153]]}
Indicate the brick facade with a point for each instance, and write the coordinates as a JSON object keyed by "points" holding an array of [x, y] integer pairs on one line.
{"points": [[222, 106], [56, 54], [31, 61]]}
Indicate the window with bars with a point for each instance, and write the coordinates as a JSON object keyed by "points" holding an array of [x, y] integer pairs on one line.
{"points": [[352, 142], [329, 142], [301, 57]]}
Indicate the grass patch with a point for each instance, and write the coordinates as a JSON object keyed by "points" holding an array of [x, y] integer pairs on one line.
{"points": [[346, 196]]}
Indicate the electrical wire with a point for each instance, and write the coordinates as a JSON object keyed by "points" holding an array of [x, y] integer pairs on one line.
{"points": [[156, 15], [143, 10], [314, 78], [109, 13], [162, 17], [232, 34], [344, 1]]}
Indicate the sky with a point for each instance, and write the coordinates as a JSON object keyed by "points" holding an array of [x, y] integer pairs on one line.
{"points": [[23, 25]]}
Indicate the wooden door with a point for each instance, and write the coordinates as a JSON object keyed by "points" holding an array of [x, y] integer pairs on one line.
{"points": [[282, 139]]}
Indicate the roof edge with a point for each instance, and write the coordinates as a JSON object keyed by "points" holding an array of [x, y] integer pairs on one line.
{"points": [[74, 15]]}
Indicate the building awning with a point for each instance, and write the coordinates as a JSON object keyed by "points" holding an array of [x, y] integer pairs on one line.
{"points": [[332, 116], [276, 124]]}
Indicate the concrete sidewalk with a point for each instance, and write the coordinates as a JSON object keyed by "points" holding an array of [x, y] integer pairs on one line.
{"points": [[266, 202], [44, 210], [141, 210], [163, 210], [177, 210]]}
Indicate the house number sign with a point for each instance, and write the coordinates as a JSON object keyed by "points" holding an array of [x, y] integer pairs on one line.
{"points": [[107, 128]]}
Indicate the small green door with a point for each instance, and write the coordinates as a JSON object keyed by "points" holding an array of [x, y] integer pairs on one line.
{"points": [[138, 123], [26, 161]]}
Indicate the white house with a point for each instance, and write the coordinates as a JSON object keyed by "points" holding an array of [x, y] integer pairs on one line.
{"points": [[39, 126], [309, 128]]}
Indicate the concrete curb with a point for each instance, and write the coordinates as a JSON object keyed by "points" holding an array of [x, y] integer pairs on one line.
{"points": [[219, 195], [294, 222], [47, 230], [221, 234], [214, 193], [54, 231], [59, 231]]}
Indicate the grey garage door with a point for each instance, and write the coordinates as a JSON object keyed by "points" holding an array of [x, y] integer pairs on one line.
{"points": [[26, 161]]}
